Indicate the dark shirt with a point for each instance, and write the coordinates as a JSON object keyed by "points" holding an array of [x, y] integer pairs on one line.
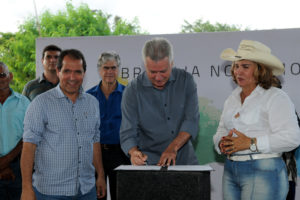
{"points": [[152, 118], [36, 87], [110, 113]]}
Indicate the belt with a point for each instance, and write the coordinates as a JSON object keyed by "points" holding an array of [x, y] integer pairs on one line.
{"points": [[253, 156], [110, 146]]}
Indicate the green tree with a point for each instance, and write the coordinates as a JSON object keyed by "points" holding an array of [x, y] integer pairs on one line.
{"points": [[18, 50], [202, 26], [5, 39]]}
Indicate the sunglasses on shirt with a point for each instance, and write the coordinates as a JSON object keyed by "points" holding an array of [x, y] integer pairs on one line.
{"points": [[3, 75]]}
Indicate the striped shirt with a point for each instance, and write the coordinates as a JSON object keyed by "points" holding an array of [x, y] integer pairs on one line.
{"points": [[64, 133]]}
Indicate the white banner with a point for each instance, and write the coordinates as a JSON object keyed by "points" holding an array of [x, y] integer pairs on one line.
{"points": [[198, 53]]}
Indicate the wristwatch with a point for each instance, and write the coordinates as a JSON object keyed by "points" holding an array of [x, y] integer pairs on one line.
{"points": [[253, 146]]}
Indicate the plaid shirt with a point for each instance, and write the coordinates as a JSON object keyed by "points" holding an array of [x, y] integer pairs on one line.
{"points": [[64, 133]]}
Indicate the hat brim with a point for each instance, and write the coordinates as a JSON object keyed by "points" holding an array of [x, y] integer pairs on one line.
{"points": [[267, 60]]}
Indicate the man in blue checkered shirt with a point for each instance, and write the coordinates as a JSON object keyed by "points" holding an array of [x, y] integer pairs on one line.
{"points": [[62, 139]]}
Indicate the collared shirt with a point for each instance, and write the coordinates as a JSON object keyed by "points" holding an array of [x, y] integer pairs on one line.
{"points": [[268, 115], [36, 87], [152, 118], [110, 113], [12, 113], [64, 133]]}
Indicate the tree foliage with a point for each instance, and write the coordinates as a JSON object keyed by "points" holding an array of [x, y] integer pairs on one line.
{"points": [[18, 50], [202, 26]]}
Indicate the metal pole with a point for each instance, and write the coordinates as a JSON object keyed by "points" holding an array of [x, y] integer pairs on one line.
{"points": [[37, 19]]}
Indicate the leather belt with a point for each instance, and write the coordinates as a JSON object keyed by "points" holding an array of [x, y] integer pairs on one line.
{"points": [[253, 156]]}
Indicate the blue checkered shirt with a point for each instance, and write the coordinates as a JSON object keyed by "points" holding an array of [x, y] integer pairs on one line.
{"points": [[64, 133]]}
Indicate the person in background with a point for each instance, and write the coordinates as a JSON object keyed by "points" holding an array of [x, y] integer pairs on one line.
{"points": [[109, 94], [62, 139], [160, 111], [289, 157], [48, 79], [12, 111], [257, 125]]}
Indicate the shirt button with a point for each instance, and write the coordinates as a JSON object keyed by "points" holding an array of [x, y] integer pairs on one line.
{"points": [[78, 133], [165, 105], [172, 132], [168, 118]]}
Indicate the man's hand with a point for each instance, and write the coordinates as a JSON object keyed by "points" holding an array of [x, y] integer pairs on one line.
{"points": [[5, 160], [97, 161], [168, 157], [101, 187], [137, 157], [7, 174], [28, 193]]}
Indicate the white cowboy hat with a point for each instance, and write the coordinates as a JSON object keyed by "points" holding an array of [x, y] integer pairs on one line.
{"points": [[256, 52]]}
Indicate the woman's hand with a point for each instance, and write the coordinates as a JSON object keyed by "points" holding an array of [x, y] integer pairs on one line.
{"points": [[230, 144]]}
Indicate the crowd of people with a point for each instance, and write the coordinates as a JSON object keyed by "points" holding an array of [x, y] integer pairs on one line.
{"points": [[59, 142]]}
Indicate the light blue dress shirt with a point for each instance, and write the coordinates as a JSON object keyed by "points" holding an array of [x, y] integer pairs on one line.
{"points": [[152, 118], [64, 133], [12, 114]]}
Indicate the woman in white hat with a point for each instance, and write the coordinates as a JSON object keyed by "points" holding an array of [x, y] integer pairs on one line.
{"points": [[257, 124]]}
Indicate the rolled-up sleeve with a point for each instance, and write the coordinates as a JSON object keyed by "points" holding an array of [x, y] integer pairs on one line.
{"points": [[191, 119], [34, 122]]}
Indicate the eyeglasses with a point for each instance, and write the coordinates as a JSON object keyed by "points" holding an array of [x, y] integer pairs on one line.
{"points": [[3, 75], [113, 68]]}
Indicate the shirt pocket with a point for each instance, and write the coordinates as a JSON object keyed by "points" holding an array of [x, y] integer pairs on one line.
{"points": [[250, 116], [89, 122]]}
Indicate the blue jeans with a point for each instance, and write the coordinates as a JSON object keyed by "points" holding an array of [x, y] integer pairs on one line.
{"points": [[91, 195], [263, 179]]}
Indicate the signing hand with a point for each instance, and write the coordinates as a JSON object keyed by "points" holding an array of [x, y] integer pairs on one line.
{"points": [[137, 157]]}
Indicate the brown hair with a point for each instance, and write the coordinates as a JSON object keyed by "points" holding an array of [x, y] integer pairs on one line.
{"points": [[262, 74]]}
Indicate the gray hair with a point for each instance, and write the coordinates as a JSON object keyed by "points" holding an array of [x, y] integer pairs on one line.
{"points": [[108, 56], [157, 49], [2, 64]]}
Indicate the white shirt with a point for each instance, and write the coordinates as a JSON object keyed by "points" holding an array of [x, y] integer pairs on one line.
{"points": [[267, 115]]}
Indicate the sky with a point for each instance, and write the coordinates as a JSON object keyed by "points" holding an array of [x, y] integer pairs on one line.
{"points": [[167, 16]]}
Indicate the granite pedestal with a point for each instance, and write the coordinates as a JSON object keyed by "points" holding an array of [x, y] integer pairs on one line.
{"points": [[163, 185]]}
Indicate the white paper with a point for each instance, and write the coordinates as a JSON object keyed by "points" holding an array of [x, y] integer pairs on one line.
{"points": [[190, 168], [170, 168]]}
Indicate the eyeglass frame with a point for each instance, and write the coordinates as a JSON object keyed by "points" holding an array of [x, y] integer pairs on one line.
{"points": [[106, 68]]}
